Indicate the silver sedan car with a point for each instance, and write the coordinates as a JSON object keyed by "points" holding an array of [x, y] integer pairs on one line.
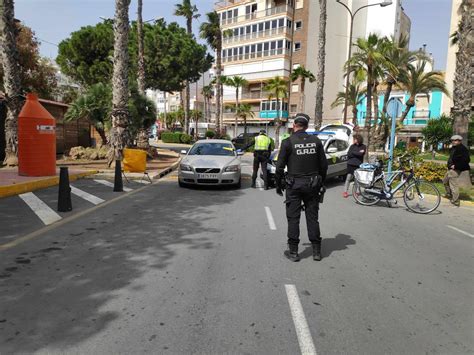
{"points": [[211, 162]]}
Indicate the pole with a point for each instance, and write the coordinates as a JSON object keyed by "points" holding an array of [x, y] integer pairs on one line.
{"points": [[395, 105], [349, 53]]}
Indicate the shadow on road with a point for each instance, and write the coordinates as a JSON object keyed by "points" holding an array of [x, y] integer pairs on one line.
{"points": [[60, 289], [329, 245]]}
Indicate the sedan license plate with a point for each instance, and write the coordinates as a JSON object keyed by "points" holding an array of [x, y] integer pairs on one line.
{"points": [[207, 176]]}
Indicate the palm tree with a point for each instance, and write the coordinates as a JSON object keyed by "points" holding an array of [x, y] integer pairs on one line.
{"points": [[95, 107], [462, 93], [207, 92], [355, 96], [278, 89], [244, 111], [417, 81], [196, 114], [236, 82], [302, 73], [400, 58], [189, 12], [318, 110], [119, 136], [141, 54], [11, 81], [212, 33]]}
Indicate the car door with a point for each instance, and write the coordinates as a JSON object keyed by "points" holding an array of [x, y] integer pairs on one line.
{"points": [[331, 156], [341, 160]]}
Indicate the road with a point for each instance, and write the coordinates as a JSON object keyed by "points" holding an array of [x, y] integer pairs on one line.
{"points": [[166, 270]]}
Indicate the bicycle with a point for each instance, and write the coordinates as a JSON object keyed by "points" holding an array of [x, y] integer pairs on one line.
{"points": [[371, 185]]}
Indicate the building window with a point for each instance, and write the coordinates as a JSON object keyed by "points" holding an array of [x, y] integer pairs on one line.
{"points": [[288, 23], [294, 88], [260, 27], [281, 22], [267, 25], [297, 46], [274, 24], [293, 108], [298, 25]]}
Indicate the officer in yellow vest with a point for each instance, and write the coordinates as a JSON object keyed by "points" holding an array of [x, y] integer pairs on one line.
{"points": [[262, 150]]}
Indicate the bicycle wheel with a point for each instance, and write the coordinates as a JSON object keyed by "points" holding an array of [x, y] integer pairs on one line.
{"points": [[421, 197], [364, 198]]}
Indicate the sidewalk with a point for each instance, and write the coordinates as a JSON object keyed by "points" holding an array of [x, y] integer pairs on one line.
{"points": [[12, 184]]}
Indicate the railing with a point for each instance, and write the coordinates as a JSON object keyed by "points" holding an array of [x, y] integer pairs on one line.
{"points": [[255, 35], [258, 14], [421, 114], [271, 52], [248, 96]]}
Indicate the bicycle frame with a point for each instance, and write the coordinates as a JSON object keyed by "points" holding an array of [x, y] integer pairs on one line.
{"points": [[388, 192]]}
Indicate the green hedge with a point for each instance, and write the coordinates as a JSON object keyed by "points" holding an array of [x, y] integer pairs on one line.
{"points": [[176, 137]]}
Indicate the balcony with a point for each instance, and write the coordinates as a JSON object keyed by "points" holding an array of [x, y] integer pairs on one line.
{"points": [[252, 95], [255, 35], [282, 9], [256, 55], [258, 116]]}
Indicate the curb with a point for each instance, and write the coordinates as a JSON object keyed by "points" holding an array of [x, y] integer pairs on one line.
{"points": [[21, 188], [167, 170]]}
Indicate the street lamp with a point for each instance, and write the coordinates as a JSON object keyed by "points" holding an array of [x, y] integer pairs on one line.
{"points": [[381, 4]]}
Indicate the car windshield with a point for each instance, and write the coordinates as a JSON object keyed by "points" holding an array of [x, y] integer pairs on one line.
{"points": [[222, 149]]}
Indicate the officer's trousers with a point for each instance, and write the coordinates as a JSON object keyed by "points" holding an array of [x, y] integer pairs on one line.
{"points": [[260, 159], [300, 193]]}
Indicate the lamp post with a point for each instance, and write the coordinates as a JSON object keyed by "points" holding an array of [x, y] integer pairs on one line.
{"points": [[382, 4]]}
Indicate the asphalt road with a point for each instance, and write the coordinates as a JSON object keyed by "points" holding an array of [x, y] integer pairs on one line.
{"points": [[178, 271]]}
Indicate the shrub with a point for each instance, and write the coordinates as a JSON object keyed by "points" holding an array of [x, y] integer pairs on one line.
{"points": [[431, 171], [210, 134], [167, 137], [186, 138]]}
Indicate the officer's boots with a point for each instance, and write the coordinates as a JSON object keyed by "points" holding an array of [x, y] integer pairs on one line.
{"points": [[253, 184], [292, 253], [317, 252]]}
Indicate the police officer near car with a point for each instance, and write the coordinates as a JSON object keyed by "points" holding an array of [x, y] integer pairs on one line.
{"points": [[303, 155], [262, 151]]}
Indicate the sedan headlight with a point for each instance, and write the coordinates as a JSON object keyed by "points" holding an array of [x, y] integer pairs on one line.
{"points": [[231, 168], [184, 167]]}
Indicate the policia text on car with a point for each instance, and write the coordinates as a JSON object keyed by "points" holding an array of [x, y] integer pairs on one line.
{"points": [[304, 156]]}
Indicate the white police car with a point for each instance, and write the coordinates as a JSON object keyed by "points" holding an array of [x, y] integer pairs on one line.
{"points": [[336, 145]]}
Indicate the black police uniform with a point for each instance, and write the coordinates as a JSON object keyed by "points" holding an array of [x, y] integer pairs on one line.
{"points": [[304, 155]]}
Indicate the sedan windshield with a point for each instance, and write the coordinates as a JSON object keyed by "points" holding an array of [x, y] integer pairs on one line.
{"points": [[222, 149]]}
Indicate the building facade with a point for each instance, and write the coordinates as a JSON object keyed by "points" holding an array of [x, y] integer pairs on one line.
{"points": [[268, 38]]}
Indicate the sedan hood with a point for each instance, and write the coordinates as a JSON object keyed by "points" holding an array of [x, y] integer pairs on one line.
{"points": [[210, 161]]}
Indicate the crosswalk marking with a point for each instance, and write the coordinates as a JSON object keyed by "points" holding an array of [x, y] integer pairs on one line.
{"points": [[145, 182], [86, 196], [108, 183], [41, 209]]}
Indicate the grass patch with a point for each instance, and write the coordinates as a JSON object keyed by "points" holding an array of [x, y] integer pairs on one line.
{"points": [[465, 194], [442, 155]]}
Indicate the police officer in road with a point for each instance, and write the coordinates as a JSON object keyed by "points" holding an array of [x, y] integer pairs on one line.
{"points": [[304, 156], [262, 150]]}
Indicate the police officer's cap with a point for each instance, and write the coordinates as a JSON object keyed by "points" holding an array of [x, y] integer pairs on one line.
{"points": [[302, 119], [262, 131]]}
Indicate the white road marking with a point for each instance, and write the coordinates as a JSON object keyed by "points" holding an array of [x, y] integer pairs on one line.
{"points": [[271, 222], [41, 209], [301, 325], [460, 231], [86, 196], [144, 182], [108, 183]]}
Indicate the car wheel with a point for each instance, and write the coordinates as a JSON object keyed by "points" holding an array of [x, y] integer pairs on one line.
{"points": [[239, 184], [182, 184]]}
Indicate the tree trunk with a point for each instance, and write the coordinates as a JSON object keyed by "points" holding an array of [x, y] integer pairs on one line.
{"points": [[409, 104], [462, 93], [103, 136], [11, 79], [187, 98], [141, 55], [302, 95], [318, 111], [386, 96], [368, 108], [278, 125], [196, 122], [218, 86], [236, 110], [119, 136], [164, 111], [354, 115]]}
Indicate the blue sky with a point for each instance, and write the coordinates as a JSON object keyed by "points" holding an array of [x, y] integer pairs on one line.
{"points": [[54, 20]]}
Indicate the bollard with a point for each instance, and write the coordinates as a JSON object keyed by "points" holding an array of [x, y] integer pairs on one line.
{"points": [[118, 183], [64, 197]]}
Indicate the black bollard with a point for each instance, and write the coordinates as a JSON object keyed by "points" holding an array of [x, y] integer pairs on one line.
{"points": [[118, 183], [64, 196]]}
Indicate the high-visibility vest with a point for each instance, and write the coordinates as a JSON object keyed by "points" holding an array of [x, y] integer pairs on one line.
{"points": [[262, 142]]}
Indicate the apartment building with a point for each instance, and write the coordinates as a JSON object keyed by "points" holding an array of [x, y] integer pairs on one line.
{"points": [[268, 38]]}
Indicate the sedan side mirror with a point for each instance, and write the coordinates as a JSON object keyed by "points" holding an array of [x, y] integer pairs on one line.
{"points": [[331, 150]]}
